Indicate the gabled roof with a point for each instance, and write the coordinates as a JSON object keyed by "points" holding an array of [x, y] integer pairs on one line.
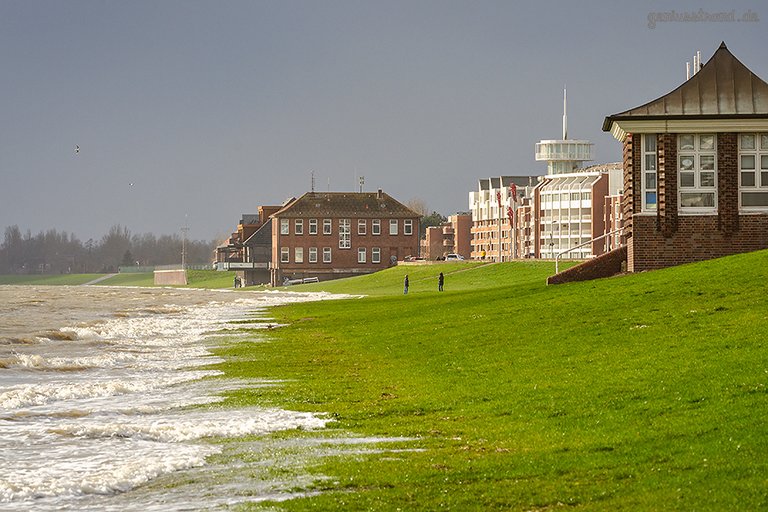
{"points": [[723, 88], [347, 204]]}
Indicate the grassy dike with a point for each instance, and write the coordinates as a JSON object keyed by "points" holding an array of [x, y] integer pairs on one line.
{"points": [[643, 392], [208, 279]]}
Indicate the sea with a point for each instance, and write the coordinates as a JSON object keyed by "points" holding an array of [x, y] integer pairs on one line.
{"points": [[108, 401]]}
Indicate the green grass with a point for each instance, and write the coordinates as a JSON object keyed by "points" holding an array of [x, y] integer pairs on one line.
{"points": [[195, 278], [644, 392], [59, 279]]}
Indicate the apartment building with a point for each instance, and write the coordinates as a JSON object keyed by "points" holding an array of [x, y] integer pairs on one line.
{"points": [[492, 207], [452, 237], [328, 235]]}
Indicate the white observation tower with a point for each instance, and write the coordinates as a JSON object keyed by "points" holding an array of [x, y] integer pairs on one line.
{"points": [[563, 156]]}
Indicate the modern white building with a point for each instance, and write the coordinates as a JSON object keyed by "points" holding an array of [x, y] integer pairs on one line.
{"points": [[570, 200]]}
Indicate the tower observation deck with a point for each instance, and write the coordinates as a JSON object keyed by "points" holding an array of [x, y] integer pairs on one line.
{"points": [[566, 155]]}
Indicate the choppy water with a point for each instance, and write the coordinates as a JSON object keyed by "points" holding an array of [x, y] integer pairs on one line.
{"points": [[95, 389]]}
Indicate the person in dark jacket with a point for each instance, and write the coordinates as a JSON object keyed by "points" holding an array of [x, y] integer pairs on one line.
{"points": [[440, 281], [405, 285]]}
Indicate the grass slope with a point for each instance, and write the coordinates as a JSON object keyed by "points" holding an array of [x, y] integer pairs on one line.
{"points": [[645, 392], [58, 279], [196, 279]]}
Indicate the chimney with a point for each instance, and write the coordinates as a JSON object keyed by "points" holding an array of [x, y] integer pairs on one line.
{"points": [[379, 194]]}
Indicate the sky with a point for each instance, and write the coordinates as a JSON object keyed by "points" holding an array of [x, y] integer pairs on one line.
{"points": [[191, 113]]}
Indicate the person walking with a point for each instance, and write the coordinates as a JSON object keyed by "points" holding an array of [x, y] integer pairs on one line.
{"points": [[405, 285], [440, 281]]}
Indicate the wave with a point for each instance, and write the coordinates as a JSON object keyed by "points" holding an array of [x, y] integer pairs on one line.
{"points": [[68, 364], [41, 394], [190, 426], [110, 470], [58, 335]]}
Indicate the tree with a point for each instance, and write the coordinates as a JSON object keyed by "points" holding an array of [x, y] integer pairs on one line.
{"points": [[418, 205], [433, 219]]}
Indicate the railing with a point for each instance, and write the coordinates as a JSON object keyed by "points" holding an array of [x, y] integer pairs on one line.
{"points": [[237, 265], [557, 256]]}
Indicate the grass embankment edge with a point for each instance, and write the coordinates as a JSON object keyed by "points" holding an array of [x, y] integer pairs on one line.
{"points": [[631, 393]]}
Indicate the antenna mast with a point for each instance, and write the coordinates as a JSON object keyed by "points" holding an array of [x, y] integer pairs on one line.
{"points": [[565, 113]]}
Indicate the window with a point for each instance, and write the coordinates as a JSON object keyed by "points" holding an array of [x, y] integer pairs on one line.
{"points": [[285, 255], [697, 172], [327, 228], [313, 254], [298, 255], [284, 227], [361, 255], [376, 227], [392, 226], [753, 170], [326, 254], [345, 233], [298, 227], [362, 225], [312, 226], [649, 172], [376, 255], [408, 227]]}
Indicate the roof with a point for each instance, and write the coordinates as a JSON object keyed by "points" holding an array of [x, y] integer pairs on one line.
{"points": [[504, 182], [723, 88], [347, 204]]}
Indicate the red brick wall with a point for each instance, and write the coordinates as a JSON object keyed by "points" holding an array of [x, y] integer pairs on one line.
{"points": [[728, 182], [605, 265], [668, 239], [629, 197], [343, 261]]}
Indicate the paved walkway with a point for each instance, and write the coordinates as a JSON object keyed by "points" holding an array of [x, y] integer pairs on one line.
{"points": [[98, 280]]}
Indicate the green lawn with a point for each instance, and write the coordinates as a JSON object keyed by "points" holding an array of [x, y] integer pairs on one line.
{"points": [[643, 392], [42, 279], [195, 278]]}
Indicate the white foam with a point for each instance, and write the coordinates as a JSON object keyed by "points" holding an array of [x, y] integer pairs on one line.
{"points": [[40, 394], [193, 425]]}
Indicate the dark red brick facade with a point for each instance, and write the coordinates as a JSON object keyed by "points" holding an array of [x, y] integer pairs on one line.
{"points": [[669, 238]]}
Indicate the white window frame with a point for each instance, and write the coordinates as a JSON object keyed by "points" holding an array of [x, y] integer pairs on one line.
{"points": [[361, 254], [759, 155], [312, 226], [298, 255], [313, 254], [393, 227], [362, 226], [285, 255], [345, 234], [376, 226], [285, 226], [408, 227], [375, 254], [298, 227], [692, 158], [649, 175], [327, 255], [327, 227]]}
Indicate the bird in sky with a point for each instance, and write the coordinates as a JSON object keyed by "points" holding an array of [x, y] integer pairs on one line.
{"points": [[77, 149]]}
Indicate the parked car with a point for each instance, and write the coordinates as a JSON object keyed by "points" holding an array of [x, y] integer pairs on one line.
{"points": [[454, 257]]}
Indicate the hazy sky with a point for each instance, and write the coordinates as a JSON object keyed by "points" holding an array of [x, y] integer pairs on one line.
{"points": [[194, 112]]}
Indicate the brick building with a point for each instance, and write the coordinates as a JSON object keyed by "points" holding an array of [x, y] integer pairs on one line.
{"points": [[328, 235], [695, 165], [248, 251], [490, 205], [453, 236]]}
